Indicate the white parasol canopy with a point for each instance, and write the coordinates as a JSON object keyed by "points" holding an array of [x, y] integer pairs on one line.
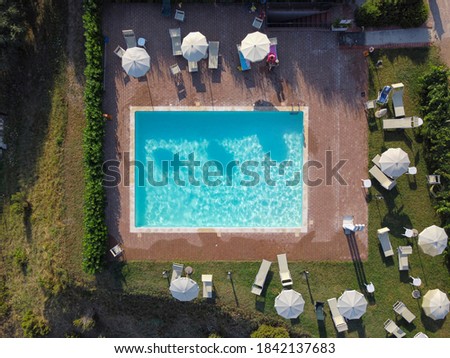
{"points": [[289, 304], [394, 162], [184, 289], [194, 46], [136, 61], [433, 240], [255, 46], [352, 304], [436, 304]]}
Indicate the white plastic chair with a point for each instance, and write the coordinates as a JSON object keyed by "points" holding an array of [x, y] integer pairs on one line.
{"points": [[415, 281], [434, 179], [412, 170], [179, 15], [257, 22], [119, 51], [370, 104], [116, 250], [409, 233], [370, 288], [366, 183]]}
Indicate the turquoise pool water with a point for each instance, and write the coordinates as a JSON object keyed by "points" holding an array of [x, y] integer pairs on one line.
{"points": [[248, 192]]}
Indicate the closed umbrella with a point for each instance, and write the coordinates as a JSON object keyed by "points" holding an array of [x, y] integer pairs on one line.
{"points": [[436, 304], [255, 46], [433, 240], [184, 289], [136, 61], [289, 304], [352, 304], [194, 46], [394, 162]]}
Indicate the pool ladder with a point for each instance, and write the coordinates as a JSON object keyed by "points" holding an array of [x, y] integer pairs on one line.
{"points": [[293, 108]]}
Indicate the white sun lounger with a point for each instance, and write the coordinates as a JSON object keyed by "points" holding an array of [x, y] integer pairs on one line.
{"points": [[401, 309], [382, 178], [338, 319], [177, 271], [261, 276], [392, 328], [175, 36], [207, 286], [397, 99], [285, 275], [402, 123], [213, 49], [383, 237], [403, 253]]}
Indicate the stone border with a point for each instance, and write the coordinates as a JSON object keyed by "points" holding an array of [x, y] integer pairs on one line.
{"points": [[218, 230]]}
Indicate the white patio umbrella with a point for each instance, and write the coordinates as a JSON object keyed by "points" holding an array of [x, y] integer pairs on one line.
{"points": [[433, 240], [136, 61], [352, 304], [394, 162], [436, 304], [289, 304], [255, 46], [194, 46], [184, 289]]}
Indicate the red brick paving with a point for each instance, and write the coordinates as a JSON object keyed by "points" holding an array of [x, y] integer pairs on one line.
{"points": [[313, 71]]}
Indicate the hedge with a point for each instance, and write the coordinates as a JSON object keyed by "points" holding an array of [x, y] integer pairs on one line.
{"points": [[435, 107], [378, 13], [95, 231]]}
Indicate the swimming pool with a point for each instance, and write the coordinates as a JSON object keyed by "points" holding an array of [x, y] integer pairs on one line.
{"points": [[216, 169]]}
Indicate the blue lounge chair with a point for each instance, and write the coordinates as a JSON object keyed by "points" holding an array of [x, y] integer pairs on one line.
{"points": [[383, 97], [245, 64]]}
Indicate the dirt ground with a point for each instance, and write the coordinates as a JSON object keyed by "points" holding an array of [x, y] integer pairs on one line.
{"points": [[313, 72]]}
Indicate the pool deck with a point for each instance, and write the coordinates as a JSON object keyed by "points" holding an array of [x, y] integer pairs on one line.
{"points": [[313, 72]]}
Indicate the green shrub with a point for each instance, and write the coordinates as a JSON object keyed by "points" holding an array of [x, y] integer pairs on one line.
{"points": [[435, 107], [20, 257], [95, 231], [19, 203], [214, 335], [406, 13], [34, 326], [84, 324], [368, 14], [266, 331]]}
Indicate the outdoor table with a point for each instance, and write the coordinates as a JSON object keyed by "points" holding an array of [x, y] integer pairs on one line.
{"points": [[416, 294], [188, 270], [415, 232]]}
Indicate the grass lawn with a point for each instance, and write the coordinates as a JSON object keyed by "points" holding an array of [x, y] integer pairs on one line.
{"points": [[40, 248]]}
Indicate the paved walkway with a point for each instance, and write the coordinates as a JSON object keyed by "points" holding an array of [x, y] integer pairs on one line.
{"points": [[313, 72], [401, 36]]}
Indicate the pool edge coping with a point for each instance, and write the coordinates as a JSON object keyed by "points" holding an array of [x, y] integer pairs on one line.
{"points": [[217, 230]]}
